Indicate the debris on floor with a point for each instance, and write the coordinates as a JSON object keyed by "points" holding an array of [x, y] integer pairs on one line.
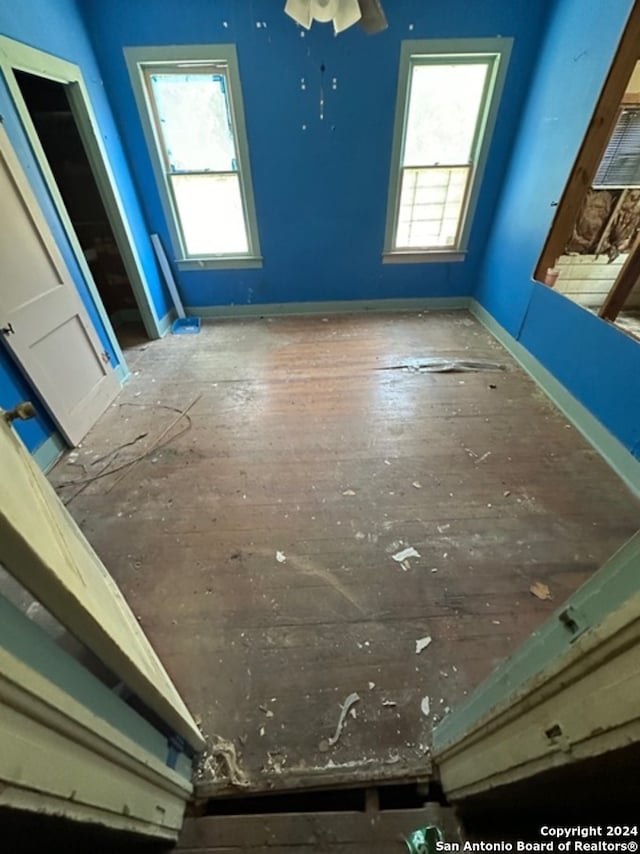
{"points": [[401, 556], [389, 704], [425, 706], [351, 700], [281, 557], [422, 643], [540, 590], [348, 492], [416, 484], [435, 365], [275, 761], [220, 760]]}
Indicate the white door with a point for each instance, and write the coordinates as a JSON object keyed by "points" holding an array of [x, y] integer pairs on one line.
{"points": [[42, 317]]}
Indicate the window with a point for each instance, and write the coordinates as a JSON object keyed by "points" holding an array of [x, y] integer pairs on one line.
{"points": [[447, 100], [191, 106], [620, 164]]}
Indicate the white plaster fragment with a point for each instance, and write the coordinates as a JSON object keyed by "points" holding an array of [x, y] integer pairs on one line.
{"points": [[401, 556], [423, 643]]}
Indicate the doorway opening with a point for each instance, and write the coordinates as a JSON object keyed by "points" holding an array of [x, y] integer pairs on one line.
{"points": [[592, 252], [50, 111]]}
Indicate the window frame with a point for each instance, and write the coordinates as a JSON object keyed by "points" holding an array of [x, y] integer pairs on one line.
{"points": [[142, 61], [432, 52]]}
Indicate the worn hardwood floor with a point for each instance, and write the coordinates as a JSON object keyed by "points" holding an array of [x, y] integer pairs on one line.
{"points": [[255, 545]]}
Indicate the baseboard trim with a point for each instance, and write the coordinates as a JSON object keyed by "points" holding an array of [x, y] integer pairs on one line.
{"points": [[330, 307], [49, 452], [619, 458], [165, 323], [122, 372]]}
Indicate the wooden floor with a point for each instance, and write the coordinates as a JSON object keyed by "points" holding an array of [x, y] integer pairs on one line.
{"points": [[254, 540]]}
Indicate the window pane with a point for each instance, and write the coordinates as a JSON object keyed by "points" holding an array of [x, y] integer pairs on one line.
{"points": [[620, 164], [195, 121], [211, 214], [444, 105], [431, 202]]}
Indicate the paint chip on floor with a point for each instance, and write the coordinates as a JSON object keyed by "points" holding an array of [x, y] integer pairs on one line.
{"points": [[540, 590], [422, 643], [401, 556]]}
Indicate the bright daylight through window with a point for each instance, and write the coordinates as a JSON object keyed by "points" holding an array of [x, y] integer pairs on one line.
{"points": [[194, 122], [441, 138]]}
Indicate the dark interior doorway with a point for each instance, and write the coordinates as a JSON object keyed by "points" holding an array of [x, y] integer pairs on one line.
{"points": [[55, 124]]}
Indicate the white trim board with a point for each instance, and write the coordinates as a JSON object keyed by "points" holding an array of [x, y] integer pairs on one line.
{"points": [[619, 458]]}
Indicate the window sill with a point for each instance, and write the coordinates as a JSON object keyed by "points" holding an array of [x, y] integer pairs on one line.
{"points": [[222, 262], [436, 256]]}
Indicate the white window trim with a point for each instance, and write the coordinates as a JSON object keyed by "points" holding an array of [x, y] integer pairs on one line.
{"points": [[139, 57], [412, 52]]}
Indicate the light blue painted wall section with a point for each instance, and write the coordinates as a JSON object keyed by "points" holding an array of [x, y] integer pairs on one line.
{"points": [[35, 648], [598, 364]]}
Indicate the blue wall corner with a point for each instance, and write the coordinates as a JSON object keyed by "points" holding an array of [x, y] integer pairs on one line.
{"points": [[321, 192], [596, 362]]}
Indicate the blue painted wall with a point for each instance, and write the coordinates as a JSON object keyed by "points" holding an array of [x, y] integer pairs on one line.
{"points": [[598, 364], [321, 193], [13, 390], [57, 28]]}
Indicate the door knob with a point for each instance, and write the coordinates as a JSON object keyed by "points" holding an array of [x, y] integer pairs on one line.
{"points": [[7, 330], [23, 412]]}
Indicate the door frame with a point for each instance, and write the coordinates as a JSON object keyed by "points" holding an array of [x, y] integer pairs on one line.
{"points": [[71, 744], [112, 767], [527, 717], [17, 56], [73, 421]]}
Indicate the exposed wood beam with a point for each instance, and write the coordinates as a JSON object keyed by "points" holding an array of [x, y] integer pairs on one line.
{"points": [[594, 144], [612, 216], [623, 285]]}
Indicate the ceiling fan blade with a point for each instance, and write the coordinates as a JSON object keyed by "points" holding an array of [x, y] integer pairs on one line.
{"points": [[347, 15], [373, 18], [300, 11]]}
